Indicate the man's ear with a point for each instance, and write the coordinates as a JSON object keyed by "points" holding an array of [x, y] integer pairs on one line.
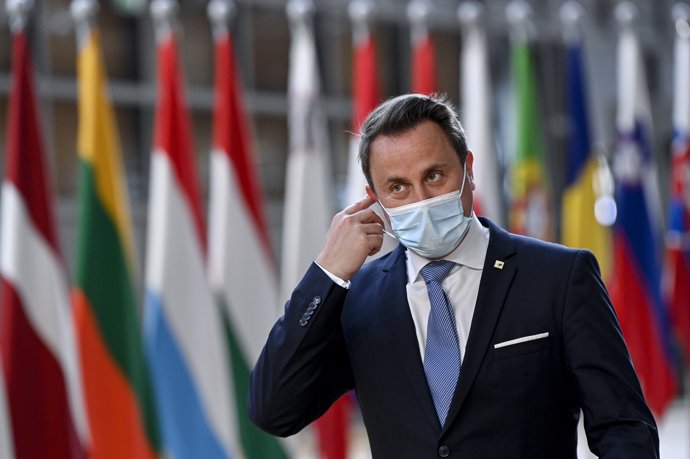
{"points": [[469, 171], [371, 193]]}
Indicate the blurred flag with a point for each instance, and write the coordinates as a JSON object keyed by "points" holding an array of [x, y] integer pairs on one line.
{"points": [[423, 62], [183, 328], [116, 383], [678, 236], [38, 346], [365, 97], [530, 213], [6, 443], [476, 115], [580, 227], [242, 269], [308, 199], [635, 282]]}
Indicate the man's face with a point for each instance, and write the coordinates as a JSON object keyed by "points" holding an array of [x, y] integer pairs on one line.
{"points": [[416, 165]]}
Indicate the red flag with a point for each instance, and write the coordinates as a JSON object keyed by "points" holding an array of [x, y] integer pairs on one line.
{"points": [[242, 270], [423, 65], [365, 96], [366, 81], [332, 430], [37, 340]]}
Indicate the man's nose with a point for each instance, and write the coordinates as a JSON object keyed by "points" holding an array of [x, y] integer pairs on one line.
{"points": [[420, 194]]}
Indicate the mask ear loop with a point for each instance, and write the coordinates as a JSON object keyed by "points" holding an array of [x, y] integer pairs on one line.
{"points": [[389, 216], [464, 177]]}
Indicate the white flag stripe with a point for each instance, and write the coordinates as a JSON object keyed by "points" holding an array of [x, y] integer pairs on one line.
{"points": [[356, 181], [239, 265], [476, 116], [30, 265], [634, 107], [176, 271], [308, 195], [6, 442], [627, 80], [681, 91]]}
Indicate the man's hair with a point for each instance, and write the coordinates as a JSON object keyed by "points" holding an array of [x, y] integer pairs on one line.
{"points": [[399, 114]]}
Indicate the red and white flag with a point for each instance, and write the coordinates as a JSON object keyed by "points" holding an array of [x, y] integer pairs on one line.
{"points": [[423, 57], [242, 269], [37, 340], [365, 97]]}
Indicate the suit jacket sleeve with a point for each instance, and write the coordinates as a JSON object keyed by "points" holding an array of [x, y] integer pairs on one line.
{"points": [[303, 367], [617, 421]]}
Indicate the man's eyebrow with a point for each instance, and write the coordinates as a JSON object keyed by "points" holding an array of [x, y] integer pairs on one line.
{"points": [[394, 179], [432, 167]]}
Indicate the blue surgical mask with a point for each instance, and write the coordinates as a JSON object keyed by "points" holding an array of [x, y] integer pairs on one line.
{"points": [[432, 228]]}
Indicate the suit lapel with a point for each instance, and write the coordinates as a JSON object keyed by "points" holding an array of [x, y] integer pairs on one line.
{"points": [[403, 337], [493, 289]]}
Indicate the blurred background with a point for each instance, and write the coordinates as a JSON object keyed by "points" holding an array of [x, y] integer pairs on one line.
{"points": [[263, 35]]}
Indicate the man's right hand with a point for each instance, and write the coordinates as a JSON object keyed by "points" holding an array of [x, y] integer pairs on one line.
{"points": [[355, 234]]}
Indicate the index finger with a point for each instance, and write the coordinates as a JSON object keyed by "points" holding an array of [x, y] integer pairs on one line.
{"points": [[362, 204]]}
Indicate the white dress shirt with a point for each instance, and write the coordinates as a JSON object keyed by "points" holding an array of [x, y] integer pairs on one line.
{"points": [[461, 285]]}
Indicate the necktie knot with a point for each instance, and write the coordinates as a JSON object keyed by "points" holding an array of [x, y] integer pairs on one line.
{"points": [[436, 270]]}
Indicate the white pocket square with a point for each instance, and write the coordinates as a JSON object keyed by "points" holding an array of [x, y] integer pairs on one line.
{"points": [[524, 339]]}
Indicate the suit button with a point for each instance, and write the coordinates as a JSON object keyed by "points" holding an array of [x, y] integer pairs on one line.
{"points": [[303, 322], [444, 451], [316, 300]]}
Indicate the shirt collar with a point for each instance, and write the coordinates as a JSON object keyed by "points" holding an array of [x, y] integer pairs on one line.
{"points": [[471, 252]]}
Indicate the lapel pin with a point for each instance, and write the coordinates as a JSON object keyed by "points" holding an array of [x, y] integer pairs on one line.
{"points": [[498, 264]]}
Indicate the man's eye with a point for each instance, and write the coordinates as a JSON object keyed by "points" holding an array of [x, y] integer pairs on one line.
{"points": [[433, 176], [397, 188]]}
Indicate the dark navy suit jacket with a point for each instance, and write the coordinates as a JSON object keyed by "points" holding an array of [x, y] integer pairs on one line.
{"points": [[515, 401]]}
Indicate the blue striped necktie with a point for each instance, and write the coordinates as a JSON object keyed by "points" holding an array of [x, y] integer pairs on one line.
{"points": [[442, 356]]}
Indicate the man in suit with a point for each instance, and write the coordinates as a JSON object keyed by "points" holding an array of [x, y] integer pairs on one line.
{"points": [[465, 341]]}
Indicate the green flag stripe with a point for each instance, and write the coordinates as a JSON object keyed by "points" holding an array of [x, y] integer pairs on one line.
{"points": [[255, 443], [103, 275]]}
